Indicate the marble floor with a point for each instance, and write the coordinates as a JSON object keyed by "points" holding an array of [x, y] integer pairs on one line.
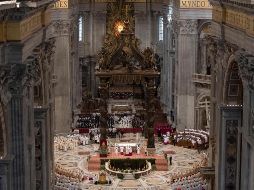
{"points": [[182, 161]]}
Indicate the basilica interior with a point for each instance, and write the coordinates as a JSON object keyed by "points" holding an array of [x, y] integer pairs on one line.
{"points": [[127, 94]]}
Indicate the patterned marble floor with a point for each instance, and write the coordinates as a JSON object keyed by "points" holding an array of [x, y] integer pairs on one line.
{"points": [[182, 161]]}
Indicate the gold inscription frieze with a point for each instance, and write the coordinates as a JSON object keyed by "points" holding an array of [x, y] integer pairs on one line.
{"points": [[217, 14], [20, 30], [61, 4], [236, 19], [131, 1], [195, 4], [29, 25], [46, 17]]}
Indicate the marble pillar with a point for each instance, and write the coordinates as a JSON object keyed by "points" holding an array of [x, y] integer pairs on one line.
{"points": [[63, 103], [187, 58], [245, 63], [20, 127], [65, 67]]}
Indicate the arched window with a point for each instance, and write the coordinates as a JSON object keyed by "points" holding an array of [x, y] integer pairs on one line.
{"points": [[160, 28], [80, 29], [234, 87]]}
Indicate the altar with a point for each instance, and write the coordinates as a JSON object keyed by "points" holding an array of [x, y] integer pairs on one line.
{"points": [[125, 144], [124, 70], [126, 148]]}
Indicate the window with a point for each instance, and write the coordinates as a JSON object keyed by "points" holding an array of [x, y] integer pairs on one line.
{"points": [[170, 11], [80, 29], [160, 28]]}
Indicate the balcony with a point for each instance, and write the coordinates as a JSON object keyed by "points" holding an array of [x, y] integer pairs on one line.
{"points": [[7, 4], [37, 3], [201, 79]]}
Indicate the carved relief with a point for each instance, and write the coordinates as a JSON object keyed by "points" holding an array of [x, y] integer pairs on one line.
{"points": [[231, 154], [34, 70], [246, 67], [188, 26], [121, 54], [38, 153], [121, 47], [175, 26], [13, 77], [61, 28]]}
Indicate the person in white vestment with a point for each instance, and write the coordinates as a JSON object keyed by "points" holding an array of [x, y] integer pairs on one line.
{"points": [[166, 139], [127, 150], [86, 140], [138, 150], [121, 149], [130, 149], [116, 149]]}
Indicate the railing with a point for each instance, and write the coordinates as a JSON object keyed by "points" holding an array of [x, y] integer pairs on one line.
{"points": [[7, 4], [201, 78], [133, 173], [237, 3], [37, 3]]}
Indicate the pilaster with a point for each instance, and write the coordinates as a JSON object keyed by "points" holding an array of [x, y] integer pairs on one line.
{"points": [[64, 27], [18, 80], [43, 172], [187, 58]]}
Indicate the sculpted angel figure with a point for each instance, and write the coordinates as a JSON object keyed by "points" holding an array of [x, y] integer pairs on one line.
{"points": [[101, 59], [149, 58]]}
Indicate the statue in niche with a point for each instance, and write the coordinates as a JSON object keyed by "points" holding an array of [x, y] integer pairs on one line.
{"points": [[149, 58], [102, 58], [158, 60]]}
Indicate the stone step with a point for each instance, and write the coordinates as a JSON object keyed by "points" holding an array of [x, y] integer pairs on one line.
{"points": [[93, 167], [161, 165], [161, 168], [128, 177], [94, 161], [161, 161]]}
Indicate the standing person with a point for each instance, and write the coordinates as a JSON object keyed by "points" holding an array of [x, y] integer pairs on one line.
{"points": [[173, 127], [159, 132], [174, 141], [170, 160]]}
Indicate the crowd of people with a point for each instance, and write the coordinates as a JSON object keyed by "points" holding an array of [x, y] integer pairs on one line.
{"points": [[68, 178], [192, 182], [123, 122], [70, 142], [88, 121], [191, 179], [192, 138], [121, 95], [65, 143], [114, 120]]}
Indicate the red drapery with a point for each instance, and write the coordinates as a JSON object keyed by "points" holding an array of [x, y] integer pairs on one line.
{"points": [[163, 127]]}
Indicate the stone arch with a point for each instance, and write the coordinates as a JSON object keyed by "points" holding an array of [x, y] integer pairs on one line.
{"points": [[202, 111], [204, 63], [3, 144], [204, 27], [233, 86]]}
